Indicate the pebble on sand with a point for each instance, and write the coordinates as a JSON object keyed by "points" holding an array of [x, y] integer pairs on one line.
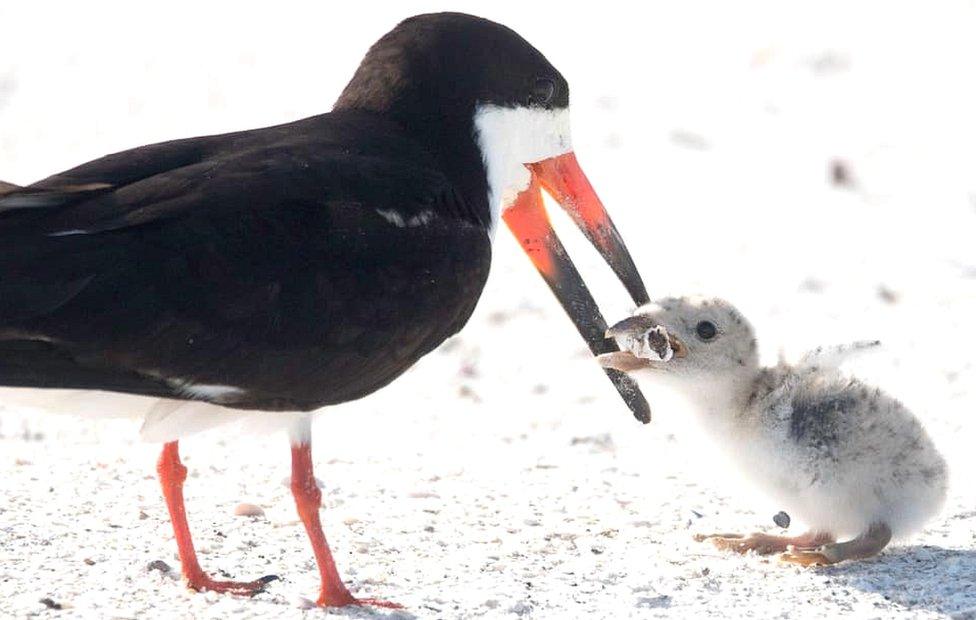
{"points": [[248, 510], [781, 519]]}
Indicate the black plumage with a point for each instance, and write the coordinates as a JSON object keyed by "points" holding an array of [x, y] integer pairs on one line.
{"points": [[259, 260]]}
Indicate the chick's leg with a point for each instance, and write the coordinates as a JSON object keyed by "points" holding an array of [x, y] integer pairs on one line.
{"points": [[765, 544], [868, 544]]}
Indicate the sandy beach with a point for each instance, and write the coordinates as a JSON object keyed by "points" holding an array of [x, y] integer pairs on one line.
{"points": [[814, 168]]}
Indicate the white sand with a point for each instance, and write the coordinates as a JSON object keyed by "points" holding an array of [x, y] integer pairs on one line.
{"points": [[502, 478]]}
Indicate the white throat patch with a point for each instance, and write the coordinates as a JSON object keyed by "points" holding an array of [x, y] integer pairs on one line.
{"points": [[509, 138]]}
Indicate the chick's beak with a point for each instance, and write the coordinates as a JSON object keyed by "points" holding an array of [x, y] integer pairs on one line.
{"points": [[563, 179], [629, 331], [623, 361]]}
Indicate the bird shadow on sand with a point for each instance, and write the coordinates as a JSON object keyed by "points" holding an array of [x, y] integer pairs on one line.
{"points": [[920, 577], [372, 613]]}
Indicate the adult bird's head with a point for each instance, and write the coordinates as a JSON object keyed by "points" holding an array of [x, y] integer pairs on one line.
{"points": [[494, 114]]}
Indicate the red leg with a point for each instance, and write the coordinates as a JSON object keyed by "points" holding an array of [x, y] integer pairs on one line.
{"points": [[308, 499], [172, 473]]}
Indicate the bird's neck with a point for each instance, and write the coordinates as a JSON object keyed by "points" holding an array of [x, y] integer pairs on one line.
{"points": [[447, 133], [721, 401], [452, 143]]}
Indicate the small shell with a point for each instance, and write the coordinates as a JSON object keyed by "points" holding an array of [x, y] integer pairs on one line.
{"points": [[248, 510], [654, 344]]}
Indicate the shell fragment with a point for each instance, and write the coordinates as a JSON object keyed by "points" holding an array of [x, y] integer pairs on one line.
{"points": [[653, 344]]}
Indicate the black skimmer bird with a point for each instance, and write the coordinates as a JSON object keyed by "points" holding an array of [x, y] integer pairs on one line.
{"points": [[844, 457], [292, 267]]}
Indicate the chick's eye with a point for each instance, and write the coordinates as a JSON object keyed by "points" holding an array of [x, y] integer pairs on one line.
{"points": [[542, 91], [706, 330]]}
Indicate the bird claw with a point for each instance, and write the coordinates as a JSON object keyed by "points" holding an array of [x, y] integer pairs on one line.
{"points": [[239, 588], [737, 543], [723, 542], [766, 544], [805, 557], [348, 600]]}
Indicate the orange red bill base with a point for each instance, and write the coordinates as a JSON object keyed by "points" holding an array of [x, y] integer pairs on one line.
{"points": [[529, 222]]}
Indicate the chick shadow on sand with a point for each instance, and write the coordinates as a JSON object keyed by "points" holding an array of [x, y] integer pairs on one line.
{"points": [[920, 577]]}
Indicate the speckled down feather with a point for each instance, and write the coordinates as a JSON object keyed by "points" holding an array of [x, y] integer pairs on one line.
{"points": [[837, 454], [848, 454]]}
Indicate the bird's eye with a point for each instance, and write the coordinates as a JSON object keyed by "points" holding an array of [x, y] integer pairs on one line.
{"points": [[542, 91], [706, 330]]}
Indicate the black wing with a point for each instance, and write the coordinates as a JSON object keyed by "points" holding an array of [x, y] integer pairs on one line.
{"points": [[294, 263]]}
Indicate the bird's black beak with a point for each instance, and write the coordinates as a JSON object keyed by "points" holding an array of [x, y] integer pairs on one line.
{"points": [[563, 179]]}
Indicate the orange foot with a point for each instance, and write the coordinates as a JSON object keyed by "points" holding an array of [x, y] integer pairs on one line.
{"points": [[203, 582], [806, 557], [762, 544], [765, 544], [341, 597]]}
